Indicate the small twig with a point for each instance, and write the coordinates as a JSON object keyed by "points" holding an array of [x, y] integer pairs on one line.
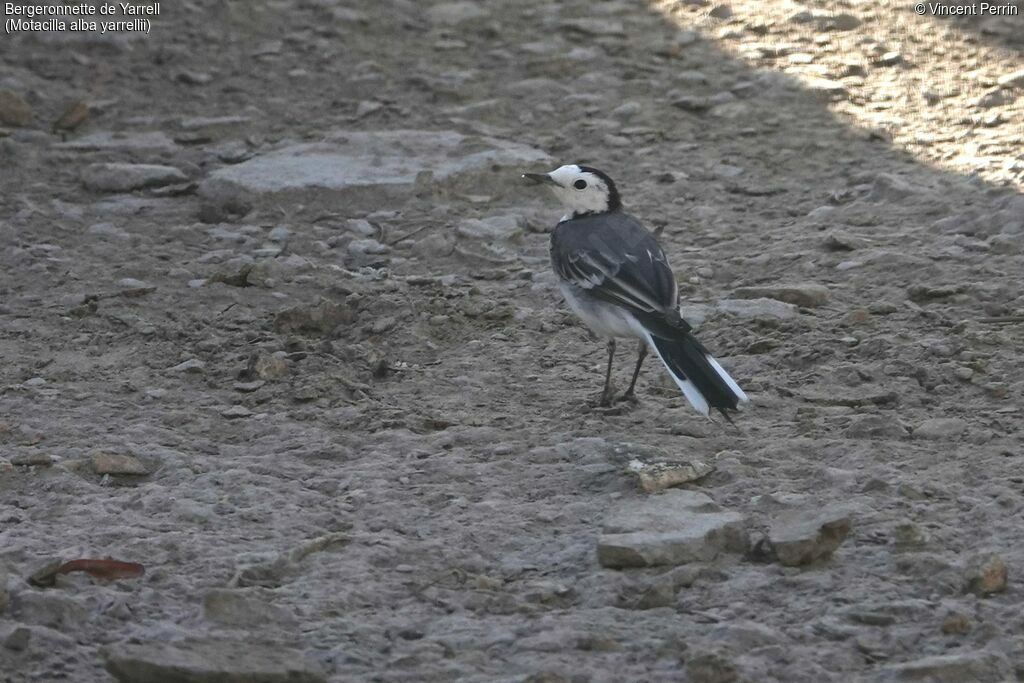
{"points": [[415, 232]]}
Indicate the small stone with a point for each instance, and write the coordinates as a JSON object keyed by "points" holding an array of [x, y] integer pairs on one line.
{"points": [[14, 111], [271, 367], [827, 86], [192, 365], [964, 373], [208, 661], [889, 59], [18, 639], [132, 287], [940, 428], [73, 117], [985, 574], [801, 537], [837, 240], [1011, 80], [976, 667], [367, 246], [721, 12], [807, 295], [657, 476], [710, 667], [909, 536], [236, 412], [123, 177], [321, 318], [672, 528], [956, 624], [116, 463]]}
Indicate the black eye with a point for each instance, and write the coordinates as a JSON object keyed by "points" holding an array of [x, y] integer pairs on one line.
{"points": [[580, 184]]}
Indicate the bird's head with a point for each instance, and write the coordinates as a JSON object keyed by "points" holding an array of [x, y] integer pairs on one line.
{"points": [[584, 190]]}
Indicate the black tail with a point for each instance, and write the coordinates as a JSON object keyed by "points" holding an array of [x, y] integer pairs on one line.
{"points": [[702, 380]]}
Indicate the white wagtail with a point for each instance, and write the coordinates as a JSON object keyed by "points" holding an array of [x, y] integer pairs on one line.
{"points": [[615, 277]]}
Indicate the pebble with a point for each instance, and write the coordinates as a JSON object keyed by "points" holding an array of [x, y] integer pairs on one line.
{"points": [[807, 295], [956, 624], [192, 365], [801, 537], [985, 574], [18, 639], [940, 428], [208, 661], [1011, 80], [14, 111], [122, 177], [321, 318], [236, 412], [672, 528], [117, 463]]}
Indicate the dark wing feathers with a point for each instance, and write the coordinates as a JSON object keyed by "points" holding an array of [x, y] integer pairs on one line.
{"points": [[614, 258]]}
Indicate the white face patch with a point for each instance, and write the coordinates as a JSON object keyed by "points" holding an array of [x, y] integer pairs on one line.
{"points": [[581, 191]]}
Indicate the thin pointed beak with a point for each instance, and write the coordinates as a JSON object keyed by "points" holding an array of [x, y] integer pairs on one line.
{"points": [[540, 178]]}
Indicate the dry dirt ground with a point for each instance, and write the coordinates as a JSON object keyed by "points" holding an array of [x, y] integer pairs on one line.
{"points": [[363, 419]]}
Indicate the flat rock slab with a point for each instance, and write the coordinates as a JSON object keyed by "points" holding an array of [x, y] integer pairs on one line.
{"points": [[369, 169], [672, 528], [120, 177], [801, 537], [808, 295], [758, 308], [208, 662]]}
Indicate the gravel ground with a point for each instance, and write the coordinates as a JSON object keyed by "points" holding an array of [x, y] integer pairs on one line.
{"points": [[277, 323]]}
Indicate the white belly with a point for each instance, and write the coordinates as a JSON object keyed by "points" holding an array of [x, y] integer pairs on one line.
{"points": [[606, 320]]}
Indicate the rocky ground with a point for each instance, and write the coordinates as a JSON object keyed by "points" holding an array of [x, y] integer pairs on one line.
{"points": [[278, 324]]}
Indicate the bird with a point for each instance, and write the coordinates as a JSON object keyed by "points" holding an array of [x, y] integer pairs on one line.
{"points": [[617, 279]]}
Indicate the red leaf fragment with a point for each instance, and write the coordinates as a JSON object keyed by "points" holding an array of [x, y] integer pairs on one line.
{"points": [[104, 569]]}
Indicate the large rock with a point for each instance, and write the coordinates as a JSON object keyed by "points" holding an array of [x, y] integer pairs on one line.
{"points": [[976, 667], [801, 537], [675, 527], [366, 170], [208, 662], [120, 177], [808, 295]]}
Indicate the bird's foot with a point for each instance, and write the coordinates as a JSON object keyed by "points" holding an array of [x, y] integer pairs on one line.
{"points": [[606, 398], [628, 397]]}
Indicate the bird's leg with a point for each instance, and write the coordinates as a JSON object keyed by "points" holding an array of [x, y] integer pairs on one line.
{"points": [[641, 355], [608, 392]]}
